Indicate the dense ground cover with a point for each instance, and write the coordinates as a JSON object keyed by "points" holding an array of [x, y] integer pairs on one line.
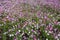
{"points": [[29, 20]]}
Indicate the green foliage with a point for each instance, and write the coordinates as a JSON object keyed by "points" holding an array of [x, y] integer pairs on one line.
{"points": [[57, 26], [21, 20], [36, 19]]}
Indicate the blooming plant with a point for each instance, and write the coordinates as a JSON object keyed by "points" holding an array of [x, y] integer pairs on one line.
{"points": [[29, 20]]}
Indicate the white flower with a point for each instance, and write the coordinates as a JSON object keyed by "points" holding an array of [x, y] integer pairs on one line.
{"points": [[46, 39], [19, 30], [11, 35], [58, 34]]}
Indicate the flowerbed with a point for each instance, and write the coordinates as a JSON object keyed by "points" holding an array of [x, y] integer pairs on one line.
{"points": [[25, 21]]}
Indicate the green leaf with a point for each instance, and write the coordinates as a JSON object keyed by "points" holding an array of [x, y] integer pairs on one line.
{"points": [[36, 19], [57, 26]]}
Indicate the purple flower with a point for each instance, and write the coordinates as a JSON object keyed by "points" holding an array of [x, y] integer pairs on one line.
{"points": [[34, 37], [1, 9], [15, 39], [17, 33], [21, 14]]}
